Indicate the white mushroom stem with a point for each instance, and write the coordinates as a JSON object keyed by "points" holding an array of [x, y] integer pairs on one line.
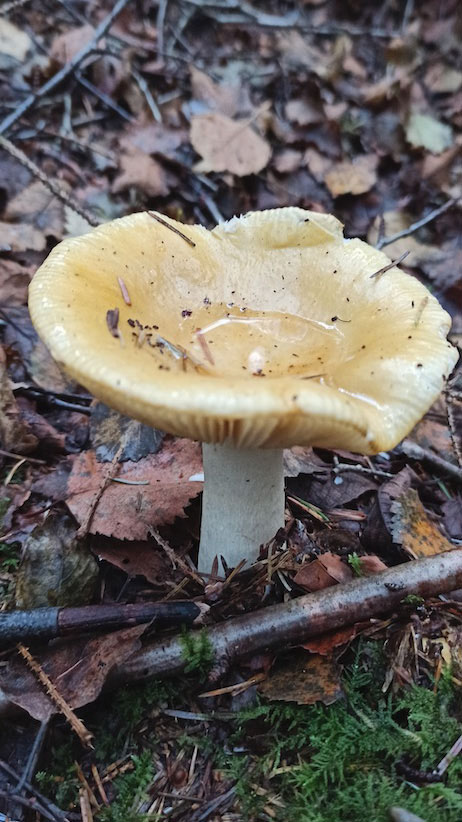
{"points": [[243, 503]]}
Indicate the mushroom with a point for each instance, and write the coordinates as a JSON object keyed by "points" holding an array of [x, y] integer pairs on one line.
{"points": [[270, 330]]}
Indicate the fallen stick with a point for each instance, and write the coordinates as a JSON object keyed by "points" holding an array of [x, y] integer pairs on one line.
{"points": [[280, 626], [47, 623]]}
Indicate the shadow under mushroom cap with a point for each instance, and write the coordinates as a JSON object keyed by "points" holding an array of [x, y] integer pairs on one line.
{"points": [[297, 343]]}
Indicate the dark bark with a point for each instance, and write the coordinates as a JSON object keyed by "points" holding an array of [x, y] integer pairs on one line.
{"points": [[47, 623]]}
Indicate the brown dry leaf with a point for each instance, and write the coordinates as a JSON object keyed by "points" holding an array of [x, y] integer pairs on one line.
{"points": [[14, 42], [15, 434], [435, 436], [323, 572], [14, 282], [65, 46], [129, 511], [443, 79], [153, 138], [78, 670], [325, 644], [420, 254], [287, 161], [139, 170], [317, 164], [136, 559], [21, 237], [228, 145], [354, 177], [304, 113], [371, 564], [413, 530], [42, 368], [39, 207], [108, 428], [305, 679], [228, 100]]}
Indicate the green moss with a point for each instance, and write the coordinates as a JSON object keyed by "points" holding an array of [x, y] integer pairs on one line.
{"points": [[197, 652]]}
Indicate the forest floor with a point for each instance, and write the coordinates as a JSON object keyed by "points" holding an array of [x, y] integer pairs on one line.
{"points": [[201, 111]]}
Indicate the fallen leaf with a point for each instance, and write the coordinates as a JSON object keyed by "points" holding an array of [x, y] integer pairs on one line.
{"points": [[136, 559], [287, 161], [129, 511], [420, 254], [424, 131], [41, 367], [443, 79], [435, 436], [452, 513], [154, 138], [304, 112], [139, 170], [228, 145], [108, 427], [21, 236], [325, 644], [37, 206], [305, 679], [66, 45], [56, 568], [317, 164], [14, 282], [323, 572], [219, 97], [371, 564], [78, 669], [354, 177], [413, 530], [14, 42], [15, 434]]}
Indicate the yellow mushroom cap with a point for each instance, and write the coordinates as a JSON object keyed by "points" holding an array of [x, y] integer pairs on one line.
{"points": [[298, 343]]}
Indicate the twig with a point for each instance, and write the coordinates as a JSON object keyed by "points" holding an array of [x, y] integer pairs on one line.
{"points": [[144, 88], [54, 811], [101, 95], [48, 623], [54, 81], [342, 467], [31, 764], [14, 456], [416, 452], [451, 754], [85, 807], [418, 224], [51, 185], [293, 622], [160, 23], [32, 804], [386, 268], [76, 724], [172, 228]]}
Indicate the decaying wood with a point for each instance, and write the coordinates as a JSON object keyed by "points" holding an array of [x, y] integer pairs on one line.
{"points": [[280, 626]]}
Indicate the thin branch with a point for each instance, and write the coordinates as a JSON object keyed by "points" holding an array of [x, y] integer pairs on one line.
{"points": [[51, 185], [54, 81], [293, 622], [416, 452], [432, 215]]}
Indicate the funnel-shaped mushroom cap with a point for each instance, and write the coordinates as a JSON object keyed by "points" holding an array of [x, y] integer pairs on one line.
{"points": [[298, 343]]}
